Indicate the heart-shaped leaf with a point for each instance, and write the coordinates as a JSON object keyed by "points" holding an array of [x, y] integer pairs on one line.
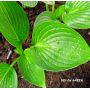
{"points": [[57, 47], [77, 14], [29, 3], [8, 76], [14, 23], [30, 71]]}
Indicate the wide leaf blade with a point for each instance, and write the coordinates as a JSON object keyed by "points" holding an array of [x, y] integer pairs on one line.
{"points": [[8, 76], [14, 23], [30, 71], [77, 14], [57, 47]]}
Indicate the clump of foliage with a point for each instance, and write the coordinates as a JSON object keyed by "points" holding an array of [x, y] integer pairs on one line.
{"points": [[55, 45]]}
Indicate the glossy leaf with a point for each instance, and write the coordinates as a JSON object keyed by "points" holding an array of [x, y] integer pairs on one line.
{"points": [[49, 2], [57, 47], [44, 16], [77, 14], [29, 3], [30, 71], [59, 11], [8, 76], [14, 23]]}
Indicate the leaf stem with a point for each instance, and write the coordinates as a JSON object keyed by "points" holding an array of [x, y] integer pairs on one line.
{"points": [[14, 62], [53, 8], [47, 7], [18, 50]]}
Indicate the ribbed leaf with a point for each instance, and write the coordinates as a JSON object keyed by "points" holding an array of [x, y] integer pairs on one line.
{"points": [[29, 3], [57, 47], [14, 23], [44, 16], [8, 76], [30, 71], [59, 11], [77, 14], [49, 2]]}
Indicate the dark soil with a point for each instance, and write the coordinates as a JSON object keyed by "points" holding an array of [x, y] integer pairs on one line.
{"points": [[53, 79]]}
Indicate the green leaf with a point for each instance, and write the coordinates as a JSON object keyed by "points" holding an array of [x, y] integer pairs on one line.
{"points": [[57, 47], [14, 24], [59, 11], [29, 3], [49, 2], [77, 14], [43, 17], [8, 76], [30, 71]]}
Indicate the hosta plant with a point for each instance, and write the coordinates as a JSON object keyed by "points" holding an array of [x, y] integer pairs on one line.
{"points": [[55, 45]]}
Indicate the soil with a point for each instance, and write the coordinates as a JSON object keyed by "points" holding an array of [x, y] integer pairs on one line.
{"points": [[78, 77]]}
